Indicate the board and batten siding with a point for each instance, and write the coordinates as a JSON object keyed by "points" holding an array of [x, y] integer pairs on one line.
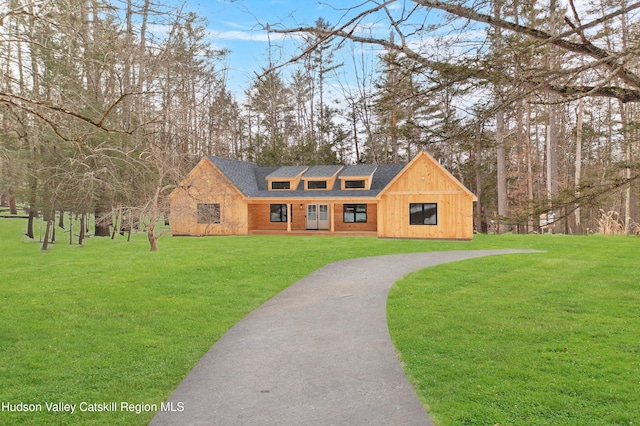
{"points": [[425, 181], [205, 184]]}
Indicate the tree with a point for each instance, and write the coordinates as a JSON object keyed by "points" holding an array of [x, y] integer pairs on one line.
{"points": [[98, 118], [521, 37]]}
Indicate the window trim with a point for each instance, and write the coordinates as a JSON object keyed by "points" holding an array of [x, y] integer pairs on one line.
{"points": [[424, 207], [285, 183], [207, 214], [317, 182], [362, 184], [283, 217], [354, 213]]}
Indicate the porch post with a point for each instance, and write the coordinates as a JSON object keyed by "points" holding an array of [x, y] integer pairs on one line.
{"points": [[332, 218], [289, 213]]}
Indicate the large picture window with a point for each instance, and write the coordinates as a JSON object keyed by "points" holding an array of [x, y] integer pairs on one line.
{"points": [[423, 214], [278, 212], [354, 213], [208, 213]]}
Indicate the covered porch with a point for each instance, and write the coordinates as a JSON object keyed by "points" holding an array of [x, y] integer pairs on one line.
{"points": [[314, 233], [311, 217]]}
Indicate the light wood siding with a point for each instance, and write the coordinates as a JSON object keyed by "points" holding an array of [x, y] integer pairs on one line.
{"points": [[205, 184], [260, 217], [424, 181], [370, 225]]}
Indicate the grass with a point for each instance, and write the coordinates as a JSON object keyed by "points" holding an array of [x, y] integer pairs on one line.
{"points": [[544, 339], [111, 321]]}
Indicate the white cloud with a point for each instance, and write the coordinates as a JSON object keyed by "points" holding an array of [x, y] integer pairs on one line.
{"points": [[260, 36]]}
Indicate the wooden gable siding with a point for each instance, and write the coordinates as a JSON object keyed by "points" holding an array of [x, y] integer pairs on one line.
{"points": [[205, 184], [425, 181]]}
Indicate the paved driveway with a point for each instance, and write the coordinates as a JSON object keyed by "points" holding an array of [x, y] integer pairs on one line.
{"points": [[318, 353]]}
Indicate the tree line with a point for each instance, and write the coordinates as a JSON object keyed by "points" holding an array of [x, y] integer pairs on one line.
{"points": [[105, 105]]}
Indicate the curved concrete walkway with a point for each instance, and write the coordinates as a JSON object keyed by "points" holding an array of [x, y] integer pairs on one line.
{"points": [[318, 353]]}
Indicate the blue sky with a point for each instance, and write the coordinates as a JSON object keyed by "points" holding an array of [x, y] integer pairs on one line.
{"points": [[237, 26]]}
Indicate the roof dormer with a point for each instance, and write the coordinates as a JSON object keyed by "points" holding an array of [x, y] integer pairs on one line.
{"points": [[320, 177], [357, 177], [285, 178]]}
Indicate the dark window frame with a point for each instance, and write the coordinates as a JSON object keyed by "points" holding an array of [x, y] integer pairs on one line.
{"points": [[350, 213], [209, 213], [317, 184], [282, 184], [354, 184], [422, 214], [280, 211]]}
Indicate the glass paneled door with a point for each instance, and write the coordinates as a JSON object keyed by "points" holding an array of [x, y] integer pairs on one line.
{"points": [[317, 216]]}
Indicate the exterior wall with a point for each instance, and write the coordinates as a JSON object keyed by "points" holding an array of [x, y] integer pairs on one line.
{"points": [[260, 217], [424, 181], [455, 217], [206, 184], [370, 225]]}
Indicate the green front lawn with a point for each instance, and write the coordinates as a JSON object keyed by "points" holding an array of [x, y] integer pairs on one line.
{"points": [[542, 339], [112, 322]]}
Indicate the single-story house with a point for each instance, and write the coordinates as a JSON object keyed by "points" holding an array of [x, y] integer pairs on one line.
{"points": [[420, 199]]}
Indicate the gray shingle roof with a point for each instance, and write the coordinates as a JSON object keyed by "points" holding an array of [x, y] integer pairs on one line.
{"points": [[250, 179], [358, 170], [287, 172], [241, 173], [321, 171]]}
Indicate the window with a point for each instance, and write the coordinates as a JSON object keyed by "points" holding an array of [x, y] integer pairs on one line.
{"points": [[278, 212], [354, 213], [281, 185], [208, 213], [423, 214], [317, 184], [354, 184]]}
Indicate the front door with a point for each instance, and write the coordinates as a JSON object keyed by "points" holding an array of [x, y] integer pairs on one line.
{"points": [[317, 216]]}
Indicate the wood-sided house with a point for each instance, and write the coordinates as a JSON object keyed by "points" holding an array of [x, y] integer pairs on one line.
{"points": [[420, 199]]}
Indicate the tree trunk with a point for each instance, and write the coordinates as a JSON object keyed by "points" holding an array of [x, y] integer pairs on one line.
{"points": [[13, 208], [32, 215], [552, 121], [501, 173], [101, 229], [82, 228], [45, 242], [552, 157], [501, 160], [578, 165], [115, 225], [153, 240], [478, 161], [530, 177], [103, 223], [627, 170]]}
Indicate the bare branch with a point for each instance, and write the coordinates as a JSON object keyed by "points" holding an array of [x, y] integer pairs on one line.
{"points": [[587, 48], [326, 35]]}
